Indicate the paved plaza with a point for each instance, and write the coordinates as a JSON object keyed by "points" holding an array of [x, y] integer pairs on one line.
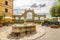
{"points": [[6, 30], [46, 33]]}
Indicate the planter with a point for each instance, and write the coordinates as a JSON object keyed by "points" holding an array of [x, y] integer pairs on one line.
{"points": [[54, 26], [1, 24]]}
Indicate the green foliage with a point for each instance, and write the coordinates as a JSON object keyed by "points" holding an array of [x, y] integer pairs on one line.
{"points": [[1, 17], [59, 1], [53, 25], [55, 11]]}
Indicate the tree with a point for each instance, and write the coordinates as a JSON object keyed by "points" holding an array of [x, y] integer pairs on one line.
{"points": [[1, 17], [55, 10], [59, 1]]}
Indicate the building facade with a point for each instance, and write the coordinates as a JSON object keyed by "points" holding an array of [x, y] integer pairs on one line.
{"points": [[6, 8], [28, 15]]}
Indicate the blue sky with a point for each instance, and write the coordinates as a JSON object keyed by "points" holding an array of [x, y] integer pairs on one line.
{"points": [[25, 4]]}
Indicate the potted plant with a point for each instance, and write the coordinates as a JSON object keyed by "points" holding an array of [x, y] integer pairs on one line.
{"points": [[1, 20], [54, 26]]}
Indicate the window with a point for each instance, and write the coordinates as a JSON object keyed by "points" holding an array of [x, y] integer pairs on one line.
{"points": [[36, 18], [41, 18], [6, 2], [22, 18], [16, 18], [6, 10], [29, 15]]}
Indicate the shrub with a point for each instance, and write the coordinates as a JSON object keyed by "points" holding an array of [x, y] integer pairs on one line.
{"points": [[55, 10], [53, 25], [1, 17]]}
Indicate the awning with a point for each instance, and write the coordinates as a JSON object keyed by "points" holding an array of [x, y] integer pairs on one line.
{"points": [[7, 17]]}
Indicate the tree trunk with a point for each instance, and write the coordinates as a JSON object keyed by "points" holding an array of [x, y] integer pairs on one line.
{"points": [[58, 19]]}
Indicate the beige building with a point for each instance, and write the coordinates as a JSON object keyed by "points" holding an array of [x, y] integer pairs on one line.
{"points": [[6, 9], [28, 15]]}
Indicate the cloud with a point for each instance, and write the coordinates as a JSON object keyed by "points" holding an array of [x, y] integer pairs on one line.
{"points": [[25, 4], [19, 3]]}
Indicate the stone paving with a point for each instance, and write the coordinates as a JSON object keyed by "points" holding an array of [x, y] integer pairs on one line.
{"points": [[6, 30], [51, 33]]}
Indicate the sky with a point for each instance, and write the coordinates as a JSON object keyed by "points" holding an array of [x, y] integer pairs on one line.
{"points": [[19, 3], [25, 4]]}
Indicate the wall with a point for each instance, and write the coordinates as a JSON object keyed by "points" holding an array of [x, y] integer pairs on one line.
{"points": [[9, 7]]}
